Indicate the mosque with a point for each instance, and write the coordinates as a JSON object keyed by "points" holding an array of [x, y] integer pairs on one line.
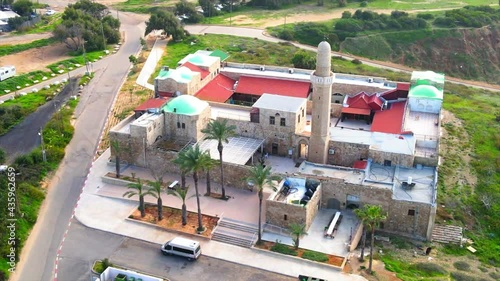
{"points": [[357, 139]]}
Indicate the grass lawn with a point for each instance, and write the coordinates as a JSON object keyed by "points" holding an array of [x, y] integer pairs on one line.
{"points": [[47, 24], [12, 49]]}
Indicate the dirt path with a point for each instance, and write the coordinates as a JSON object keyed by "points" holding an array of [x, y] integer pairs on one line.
{"points": [[36, 59], [22, 39]]}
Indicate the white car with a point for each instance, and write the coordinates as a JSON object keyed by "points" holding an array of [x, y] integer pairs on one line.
{"points": [[50, 12]]}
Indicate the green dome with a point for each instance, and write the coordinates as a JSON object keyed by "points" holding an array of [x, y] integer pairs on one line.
{"points": [[185, 104], [426, 92]]}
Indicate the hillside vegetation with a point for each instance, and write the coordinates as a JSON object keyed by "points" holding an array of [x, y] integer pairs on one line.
{"points": [[463, 43]]}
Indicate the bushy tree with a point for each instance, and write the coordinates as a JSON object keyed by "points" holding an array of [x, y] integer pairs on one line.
{"points": [[302, 59], [23, 7], [189, 9], [85, 22], [166, 21]]}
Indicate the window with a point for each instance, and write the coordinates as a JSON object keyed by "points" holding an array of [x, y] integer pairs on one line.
{"points": [[283, 122], [387, 162], [169, 247], [271, 120], [411, 212], [302, 112], [184, 125], [178, 125], [298, 121], [182, 250], [285, 217]]}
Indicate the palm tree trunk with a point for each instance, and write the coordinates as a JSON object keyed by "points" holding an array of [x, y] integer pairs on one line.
{"points": [[184, 213], [219, 148], [160, 208], [195, 177], [260, 216], [183, 180], [297, 241], [363, 245], [141, 206], [209, 191], [371, 249], [117, 166]]}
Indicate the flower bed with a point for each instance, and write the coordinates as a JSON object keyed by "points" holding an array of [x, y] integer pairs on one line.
{"points": [[172, 220]]}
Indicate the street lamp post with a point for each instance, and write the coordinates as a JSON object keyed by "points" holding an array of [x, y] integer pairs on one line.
{"points": [[85, 57], [40, 133]]}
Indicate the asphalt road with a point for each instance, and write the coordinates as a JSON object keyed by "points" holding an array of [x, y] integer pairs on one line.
{"points": [[84, 245], [38, 256], [24, 137]]}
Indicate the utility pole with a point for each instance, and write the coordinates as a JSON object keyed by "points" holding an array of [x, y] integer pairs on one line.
{"points": [[85, 57], [40, 133]]}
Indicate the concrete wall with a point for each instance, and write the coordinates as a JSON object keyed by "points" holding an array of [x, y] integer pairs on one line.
{"points": [[358, 234], [111, 272], [347, 153], [426, 161], [425, 105], [379, 157]]}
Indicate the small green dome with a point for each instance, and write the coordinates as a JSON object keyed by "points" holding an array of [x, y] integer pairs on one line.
{"points": [[185, 104], [426, 92]]}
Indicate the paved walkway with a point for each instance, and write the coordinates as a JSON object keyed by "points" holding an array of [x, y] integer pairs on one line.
{"points": [[101, 207], [150, 65]]}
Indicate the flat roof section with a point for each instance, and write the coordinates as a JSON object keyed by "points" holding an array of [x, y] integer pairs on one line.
{"points": [[220, 89], [238, 151], [257, 86], [281, 103], [421, 123], [424, 190]]}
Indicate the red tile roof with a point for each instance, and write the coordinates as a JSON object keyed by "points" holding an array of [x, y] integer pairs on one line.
{"points": [[390, 120], [257, 86], [204, 73], [352, 110], [165, 94], [364, 101], [220, 89], [401, 91], [151, 103]]}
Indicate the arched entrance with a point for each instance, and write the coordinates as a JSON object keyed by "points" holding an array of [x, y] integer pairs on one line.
{"points": [[303, 149], [333, 203]]}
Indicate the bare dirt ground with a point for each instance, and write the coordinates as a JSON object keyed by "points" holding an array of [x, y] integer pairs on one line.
{"points": [[36, 59], [22, 39]]}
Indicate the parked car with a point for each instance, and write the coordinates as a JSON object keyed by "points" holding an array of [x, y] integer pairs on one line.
{"points": [[50, 12], [182, 247]]}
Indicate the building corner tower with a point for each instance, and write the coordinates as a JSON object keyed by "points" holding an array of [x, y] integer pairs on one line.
{"points": [[321, 80]]}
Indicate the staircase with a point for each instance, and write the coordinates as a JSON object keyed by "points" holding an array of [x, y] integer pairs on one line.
{"points": [[447, 234], [235, 232]]}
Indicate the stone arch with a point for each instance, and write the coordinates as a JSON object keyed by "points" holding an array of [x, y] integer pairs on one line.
{"points": [[333, 203], [302, 145]]}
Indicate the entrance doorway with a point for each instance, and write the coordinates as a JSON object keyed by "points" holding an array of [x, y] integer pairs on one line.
{"points": [[274, 150], [303, 150]]}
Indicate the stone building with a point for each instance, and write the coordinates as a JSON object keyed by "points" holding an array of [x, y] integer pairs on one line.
{"points": [[365, 140]]}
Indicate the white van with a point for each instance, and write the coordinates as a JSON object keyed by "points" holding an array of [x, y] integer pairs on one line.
{"points": [[7, 72], [182, 247]]}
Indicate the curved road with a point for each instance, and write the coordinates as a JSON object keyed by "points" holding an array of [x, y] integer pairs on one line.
{"points": [[42, 246]]}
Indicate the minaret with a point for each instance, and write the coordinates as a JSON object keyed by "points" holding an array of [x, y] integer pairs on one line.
{"points": [[322, 80]]}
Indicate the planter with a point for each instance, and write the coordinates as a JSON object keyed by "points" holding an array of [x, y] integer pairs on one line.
{"points": [[93, 269], [121, 277]]}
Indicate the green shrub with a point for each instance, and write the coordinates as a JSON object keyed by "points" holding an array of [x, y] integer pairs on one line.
{"points": [[462, 265], [460, 276], [430, 269], [494, 275], [283, 249], [314, 256], [363, 4]]}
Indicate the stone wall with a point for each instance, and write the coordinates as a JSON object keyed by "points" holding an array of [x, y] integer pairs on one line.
{"points": [[148, 126], [426, 161], [379, 157], [400, 220], [186, 126], [345, 154], [336, 109]]}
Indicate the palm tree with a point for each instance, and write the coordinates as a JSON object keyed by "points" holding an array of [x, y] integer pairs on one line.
{"points": [[137, 189], [297, 230], [115, 145], [261, 177], [371, 216], [155, 190], [181, 193], [210, 165], [193, 160], [220, 131]]}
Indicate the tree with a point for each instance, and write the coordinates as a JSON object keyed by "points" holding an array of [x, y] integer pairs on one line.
{"points": [[297, 230], [137, 189], [342, 3], [181, 193], [371, 216], [209, 166], [189, 10], [155, 190], [221, 132], [166, 21], [115, 145], [23, 7], [132, 59], [260, 177], [192, 160]]}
